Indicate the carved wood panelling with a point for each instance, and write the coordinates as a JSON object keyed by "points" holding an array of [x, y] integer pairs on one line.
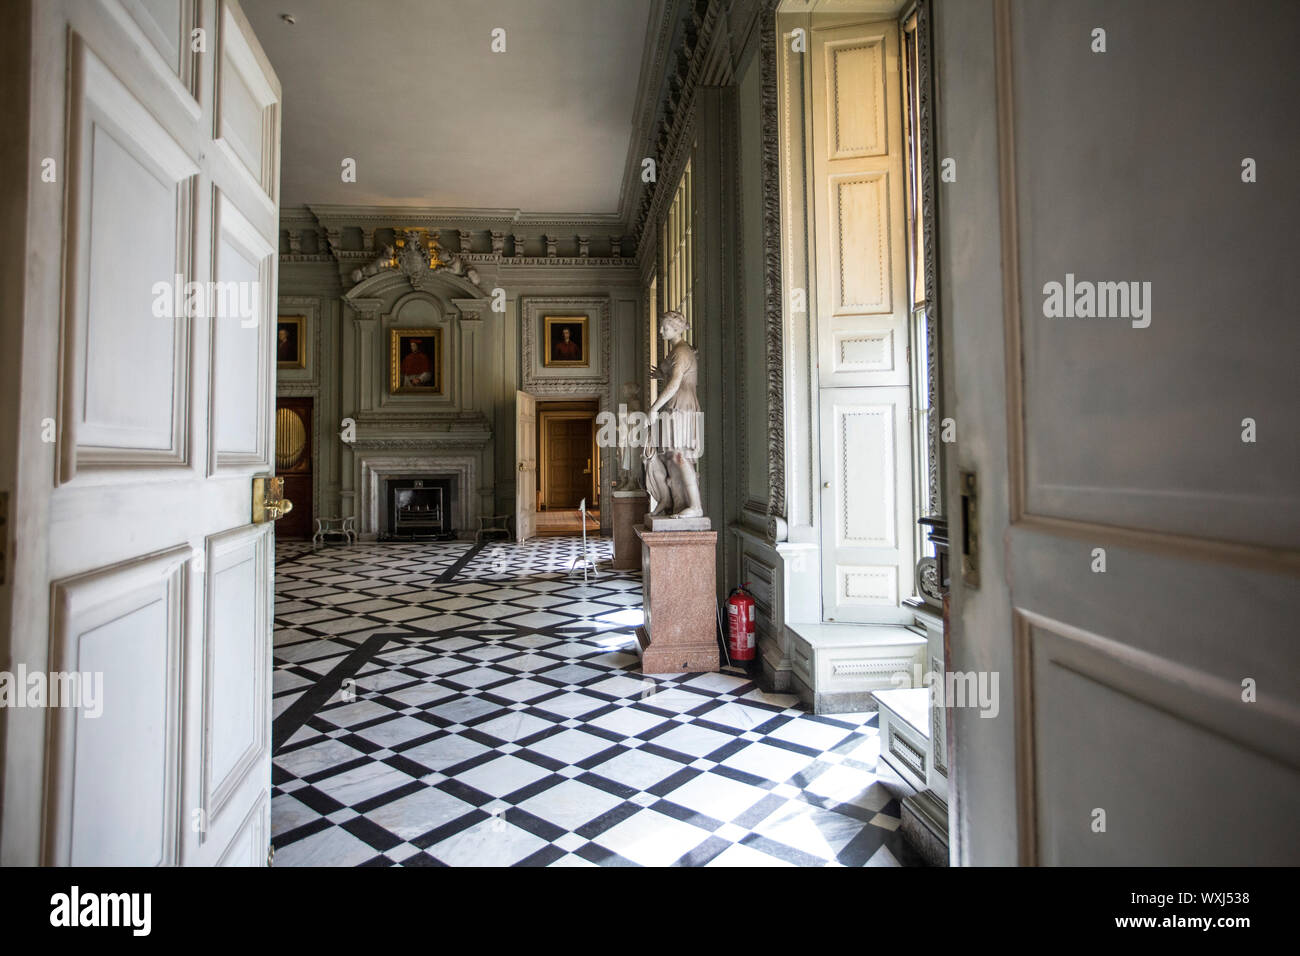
{"points": [[866, 504], [248, 846], [773, 287], [236, 656], [167, 26], [246, 113], [1166, 727], [865, 453], [930, 242], [240, 361], [124, 622], [131, 187], [855, 83], [861, 260], [868, 585], [864, 351]]}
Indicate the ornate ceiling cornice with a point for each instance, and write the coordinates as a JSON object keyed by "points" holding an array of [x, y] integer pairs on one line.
{"points": [[694, 47], [451, 217], [664, 17]]}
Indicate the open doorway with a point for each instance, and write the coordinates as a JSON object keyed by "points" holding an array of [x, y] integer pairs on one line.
{"points": [[568, 466], [293, 462]]}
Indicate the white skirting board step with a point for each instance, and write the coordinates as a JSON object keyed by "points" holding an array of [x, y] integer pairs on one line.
{"points": [[837, 667], [904, 733], [910, 705]]}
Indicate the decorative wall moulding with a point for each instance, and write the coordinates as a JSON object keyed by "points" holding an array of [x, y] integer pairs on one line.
{"points": [[423, 421], [687, 68], [591, 381], [773, 311], [429, 443]]}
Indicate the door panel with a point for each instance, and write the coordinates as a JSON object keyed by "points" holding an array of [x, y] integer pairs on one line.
{"points": [[236, 676], [120, 629], [569, 462], [129, 225], [136, 558], [1137, 560], [241, 351], [858, 155], [293, 463], [525, 465], [861, 302], [866, 512]]}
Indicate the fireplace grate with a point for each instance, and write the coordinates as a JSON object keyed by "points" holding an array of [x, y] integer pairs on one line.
{"points": [[419, 508]]}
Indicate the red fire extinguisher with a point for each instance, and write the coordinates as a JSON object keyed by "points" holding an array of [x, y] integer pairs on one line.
{"points": [[740, 624]]}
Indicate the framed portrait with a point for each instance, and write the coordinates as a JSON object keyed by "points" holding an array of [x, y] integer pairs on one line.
{"points": [[291, 341], [415, 361], [565, 341]]}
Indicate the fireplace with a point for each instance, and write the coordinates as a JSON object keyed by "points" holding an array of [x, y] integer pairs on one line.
{"points": [[421, 508]]}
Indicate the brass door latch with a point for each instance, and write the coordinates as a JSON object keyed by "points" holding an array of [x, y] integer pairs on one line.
{"points": [[269, 502]]}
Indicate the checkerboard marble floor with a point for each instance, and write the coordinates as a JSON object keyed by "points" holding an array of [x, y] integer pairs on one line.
{"points": [[457, 705]]}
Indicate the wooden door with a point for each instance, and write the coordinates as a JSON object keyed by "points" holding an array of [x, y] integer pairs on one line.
{"points": [[569, 465], [137, 563], [525, 465], [293, 462], [1127, 560]]}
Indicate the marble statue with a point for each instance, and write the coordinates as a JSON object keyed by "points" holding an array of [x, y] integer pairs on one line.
{"points": [[675, 442], [631, 437]]}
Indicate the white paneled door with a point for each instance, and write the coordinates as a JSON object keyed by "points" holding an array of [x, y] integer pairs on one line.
{"points": [[525, 465], [1125, 564], [146, 398]]}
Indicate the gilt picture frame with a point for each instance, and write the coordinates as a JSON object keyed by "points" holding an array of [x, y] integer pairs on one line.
{"points": [[415, 362], [566, 341], [291, 342]]}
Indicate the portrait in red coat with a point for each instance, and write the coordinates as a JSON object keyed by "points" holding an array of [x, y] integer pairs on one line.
{"points": [[566, 341]]}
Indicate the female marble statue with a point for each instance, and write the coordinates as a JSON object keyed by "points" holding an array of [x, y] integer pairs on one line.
{"points": [[675, 441]]}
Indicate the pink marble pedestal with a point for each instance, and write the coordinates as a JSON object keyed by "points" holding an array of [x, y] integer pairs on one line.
{"points": [[677, 577], [629, 508]]}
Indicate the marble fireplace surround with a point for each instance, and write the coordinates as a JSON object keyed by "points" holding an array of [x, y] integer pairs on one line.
{"points": [[378, 468]]}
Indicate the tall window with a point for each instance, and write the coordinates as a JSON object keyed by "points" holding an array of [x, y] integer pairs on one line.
{"points": [[676, 244]]}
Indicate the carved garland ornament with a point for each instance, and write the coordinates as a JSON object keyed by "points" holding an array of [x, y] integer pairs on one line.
{"points": [[418, 255], [925, 137], [773, 313]]}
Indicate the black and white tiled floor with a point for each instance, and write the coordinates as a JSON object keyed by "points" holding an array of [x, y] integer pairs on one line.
{"points": [[444, 704]]}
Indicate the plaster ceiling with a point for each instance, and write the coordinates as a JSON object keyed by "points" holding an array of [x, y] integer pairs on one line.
{"points": [[412, 91]]}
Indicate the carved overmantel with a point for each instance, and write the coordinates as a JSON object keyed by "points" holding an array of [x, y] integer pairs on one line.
{"points": [[398, 435]]}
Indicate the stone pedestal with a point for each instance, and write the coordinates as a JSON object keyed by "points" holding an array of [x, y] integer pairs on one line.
{"points": [[678, 581], [674, 523], [629, 506]]}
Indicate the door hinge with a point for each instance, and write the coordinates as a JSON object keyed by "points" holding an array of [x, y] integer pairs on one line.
{"points": [[4, 534], [970, 529]]}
